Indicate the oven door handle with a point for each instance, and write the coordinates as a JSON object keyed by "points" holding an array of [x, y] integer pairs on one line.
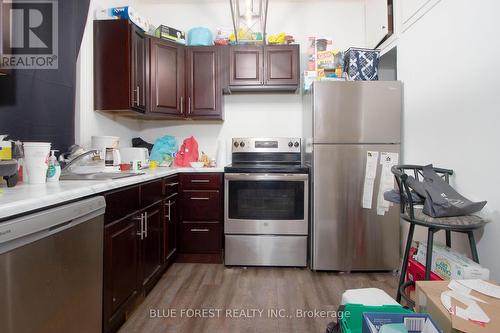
{"points": [[267, 176]]}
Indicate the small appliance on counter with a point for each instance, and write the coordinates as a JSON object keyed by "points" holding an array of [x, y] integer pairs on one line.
{"points": [[266, 203], [131, 154], [8, 171]]}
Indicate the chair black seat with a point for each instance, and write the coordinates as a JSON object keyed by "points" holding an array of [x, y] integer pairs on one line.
{"points": [[412, 213], [465, 222]]}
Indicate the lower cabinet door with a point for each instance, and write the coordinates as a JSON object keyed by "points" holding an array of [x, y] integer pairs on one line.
{"points": [[203, 237], [120, 266], [170, 228], [152, 246]]}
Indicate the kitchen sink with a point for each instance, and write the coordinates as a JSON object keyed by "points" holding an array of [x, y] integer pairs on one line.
{"points": [[98, 175]]}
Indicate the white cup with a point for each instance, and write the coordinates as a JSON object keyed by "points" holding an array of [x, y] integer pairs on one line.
{"points": [[36, 161]]}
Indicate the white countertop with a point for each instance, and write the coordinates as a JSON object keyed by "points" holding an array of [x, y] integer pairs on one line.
{"points": [[24, 198]]}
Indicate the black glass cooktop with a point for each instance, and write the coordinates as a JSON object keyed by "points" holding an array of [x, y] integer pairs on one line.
{"points": [[266, 168]]}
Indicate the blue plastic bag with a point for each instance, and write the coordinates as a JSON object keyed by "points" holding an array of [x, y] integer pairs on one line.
{"points": [[164, 149]]}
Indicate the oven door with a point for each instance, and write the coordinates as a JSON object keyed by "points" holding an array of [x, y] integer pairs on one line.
{"points": [[266, 204]]}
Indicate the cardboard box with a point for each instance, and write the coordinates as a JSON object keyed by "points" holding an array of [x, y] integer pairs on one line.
{"points": [[413, 322], [451, 265], [5, 150], [170, 33], [428, 300]]}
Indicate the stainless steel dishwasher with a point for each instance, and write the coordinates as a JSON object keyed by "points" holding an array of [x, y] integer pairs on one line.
{"points": [[51, 270]]}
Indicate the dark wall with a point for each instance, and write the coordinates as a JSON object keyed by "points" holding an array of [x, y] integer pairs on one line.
{"points": [[39, 105]]}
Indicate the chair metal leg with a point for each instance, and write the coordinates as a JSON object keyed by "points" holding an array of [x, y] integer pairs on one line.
{"points": [[428, 257], [473, 249], [402, 276], [448, 238]]}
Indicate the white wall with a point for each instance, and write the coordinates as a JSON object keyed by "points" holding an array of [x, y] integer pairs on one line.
{"points": [[245, 114], [448, 61]]}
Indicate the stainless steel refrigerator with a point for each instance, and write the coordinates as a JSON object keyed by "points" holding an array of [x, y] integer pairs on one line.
{"points": [[344, 123]]}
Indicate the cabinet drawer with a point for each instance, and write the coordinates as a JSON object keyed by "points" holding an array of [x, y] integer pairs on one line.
{"points": [[201, 181], [121, 203], [201, 206], [151, 192], [171, 186], [200, 237]]}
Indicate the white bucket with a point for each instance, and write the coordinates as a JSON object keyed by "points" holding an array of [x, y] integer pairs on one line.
{"points": [[36, 161]]}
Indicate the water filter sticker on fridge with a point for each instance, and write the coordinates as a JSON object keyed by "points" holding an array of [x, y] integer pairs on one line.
{"points": [[370, 175], [387, 160]]}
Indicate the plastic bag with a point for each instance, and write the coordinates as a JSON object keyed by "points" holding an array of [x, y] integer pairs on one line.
{"points": [[441, 200], [187, 153], [164, 150]]}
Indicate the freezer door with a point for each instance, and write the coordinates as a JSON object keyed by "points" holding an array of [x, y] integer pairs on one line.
{"points": [[357, 112], [345, 236]]}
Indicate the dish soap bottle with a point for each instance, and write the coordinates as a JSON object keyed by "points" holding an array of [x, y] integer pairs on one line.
{"points": [[54, 169]]}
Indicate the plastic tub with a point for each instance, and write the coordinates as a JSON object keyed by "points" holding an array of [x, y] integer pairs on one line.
{"points": [[367, 296], [354, 322]]}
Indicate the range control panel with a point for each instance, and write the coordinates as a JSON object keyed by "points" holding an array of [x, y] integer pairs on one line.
{"points": [[257, 145]]}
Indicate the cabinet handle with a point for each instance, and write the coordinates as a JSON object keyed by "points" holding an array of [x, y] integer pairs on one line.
{"points": [[199, 198], [168, 204], [169, 210], [138, 96], [171, 195], [200, 230], [189, 105], [146, 224], [172, 184], [200, 181], [182, 104], [140, 233]]}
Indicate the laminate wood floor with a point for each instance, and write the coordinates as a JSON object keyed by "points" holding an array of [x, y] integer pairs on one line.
{"points": [[188, 287]]}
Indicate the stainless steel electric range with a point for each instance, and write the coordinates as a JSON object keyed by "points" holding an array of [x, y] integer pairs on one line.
{"points": [[266, 203]]}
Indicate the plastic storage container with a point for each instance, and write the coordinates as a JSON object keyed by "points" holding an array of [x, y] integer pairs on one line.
{"points": [[354, 322], [367, 296], [200, 37], [416, 271]]}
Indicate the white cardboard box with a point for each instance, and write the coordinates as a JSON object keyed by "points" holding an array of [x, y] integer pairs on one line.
{"points": [[449, 264]]}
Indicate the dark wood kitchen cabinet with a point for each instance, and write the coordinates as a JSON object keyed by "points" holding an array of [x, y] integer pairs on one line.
{"points": [[204, 82], [171, 219], [120, 62], [166, 77], [281, 65], [3, 35], [151, 246], [264, 68], [121, 266], [246, 65], [133, 248], [201, 216]]}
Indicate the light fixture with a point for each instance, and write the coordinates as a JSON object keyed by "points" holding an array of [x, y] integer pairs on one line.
{"points": [[249, 17]]}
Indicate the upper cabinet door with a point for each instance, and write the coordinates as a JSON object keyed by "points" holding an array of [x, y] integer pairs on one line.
{"points": [[138, 75], [376, 22], [166, 77], [246, 65], [204, 91], [282, 64]]}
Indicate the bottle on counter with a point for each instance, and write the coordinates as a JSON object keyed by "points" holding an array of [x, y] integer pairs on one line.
{"points": [[54, 168]]}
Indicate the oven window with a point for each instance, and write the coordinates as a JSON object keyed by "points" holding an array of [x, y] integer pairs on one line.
{"points": [[266, 200]]}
